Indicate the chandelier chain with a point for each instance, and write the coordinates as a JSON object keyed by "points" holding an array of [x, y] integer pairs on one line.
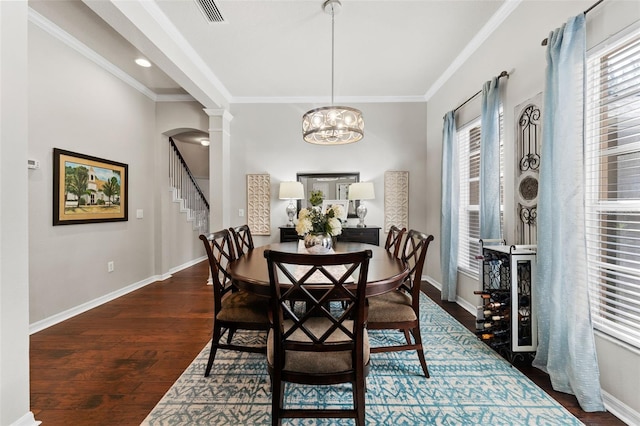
{"points": [[332, 49]]}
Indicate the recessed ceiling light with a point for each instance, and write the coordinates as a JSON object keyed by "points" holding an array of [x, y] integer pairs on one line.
{"points": [[204, 142], [143, 62]]}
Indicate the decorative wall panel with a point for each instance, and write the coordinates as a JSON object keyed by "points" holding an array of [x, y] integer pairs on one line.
{"points": [[259, 203], [528, 135], [396, 199]]}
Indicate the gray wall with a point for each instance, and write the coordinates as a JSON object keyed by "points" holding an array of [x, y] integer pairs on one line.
{"points": [[267, 139], [76, 105]]}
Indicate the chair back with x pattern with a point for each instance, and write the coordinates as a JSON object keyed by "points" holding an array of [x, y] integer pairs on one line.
{"points": [[413, 254], [220, 251], [394, 240], [318, 335], [234, 309], [243, 239]]}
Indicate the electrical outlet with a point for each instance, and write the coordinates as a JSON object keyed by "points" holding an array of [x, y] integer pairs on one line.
{"points": [[110, 266], [241, 212]]}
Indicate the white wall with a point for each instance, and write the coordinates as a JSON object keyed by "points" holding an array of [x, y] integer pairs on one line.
{"points": [[268, 139], [515, 47]]}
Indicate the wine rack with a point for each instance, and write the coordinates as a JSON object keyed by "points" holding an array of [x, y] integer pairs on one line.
{"points": [[506, 319]]}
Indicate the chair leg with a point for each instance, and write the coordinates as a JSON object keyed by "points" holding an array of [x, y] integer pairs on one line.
{"points": [[359, 399], [423, 362], [230, 335], [407, 336], [214, 348], [277, 399]]}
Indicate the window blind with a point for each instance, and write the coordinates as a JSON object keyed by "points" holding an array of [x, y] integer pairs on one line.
{"points": [[612, 185], [469, 204], [468, 215]]}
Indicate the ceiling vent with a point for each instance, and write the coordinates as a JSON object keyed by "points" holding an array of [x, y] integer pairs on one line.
{"points": [[210, 10]]}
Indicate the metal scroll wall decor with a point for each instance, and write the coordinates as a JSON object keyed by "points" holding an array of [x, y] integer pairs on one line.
{"points": [[259, 204], [396, 199], [528, 136]]}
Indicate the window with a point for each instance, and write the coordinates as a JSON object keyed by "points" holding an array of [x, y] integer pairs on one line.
{"points": [[469, 210], [612, 172]]}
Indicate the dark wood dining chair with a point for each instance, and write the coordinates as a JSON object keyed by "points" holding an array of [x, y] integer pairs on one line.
{"points": [[400, 309], [233, 309], [243, 239], [326, 343], [394, 240]]}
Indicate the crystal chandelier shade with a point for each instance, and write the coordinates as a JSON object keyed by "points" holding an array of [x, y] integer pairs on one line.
{"points": [[332, 125], [335, 125]]}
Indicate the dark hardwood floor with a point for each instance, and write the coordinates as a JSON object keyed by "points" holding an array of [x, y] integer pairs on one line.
{"points": [[111, 365]]}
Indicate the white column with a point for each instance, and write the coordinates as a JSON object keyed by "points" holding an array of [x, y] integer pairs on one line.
{"points": [[14, 217], [219, 168]]}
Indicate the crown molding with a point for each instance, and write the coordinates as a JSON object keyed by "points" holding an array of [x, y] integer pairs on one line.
{"points": [[326, 100], [492, 24]]}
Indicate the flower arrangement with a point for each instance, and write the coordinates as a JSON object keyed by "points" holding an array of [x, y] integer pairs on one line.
{"points": [[314, 221]]}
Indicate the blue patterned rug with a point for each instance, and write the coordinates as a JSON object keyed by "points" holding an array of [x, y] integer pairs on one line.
{"points": [[470, 385]]}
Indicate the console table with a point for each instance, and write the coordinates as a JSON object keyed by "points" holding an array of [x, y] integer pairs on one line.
{"points": [[368, 235]]}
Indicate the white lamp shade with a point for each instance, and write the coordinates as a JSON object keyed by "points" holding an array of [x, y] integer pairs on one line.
{"points": [[361, 191], [291, 191]]}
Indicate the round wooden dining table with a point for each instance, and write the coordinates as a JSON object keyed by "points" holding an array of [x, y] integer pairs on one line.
{"points": [[385, 273]]}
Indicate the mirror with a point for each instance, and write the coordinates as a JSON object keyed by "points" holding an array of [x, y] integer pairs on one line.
{"points": [[334, 186]]}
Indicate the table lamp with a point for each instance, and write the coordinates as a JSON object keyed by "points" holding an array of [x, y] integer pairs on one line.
{"points": [[291, 191], [361, 191]]}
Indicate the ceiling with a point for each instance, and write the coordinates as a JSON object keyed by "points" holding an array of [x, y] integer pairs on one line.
{"points": [[270, 51]]}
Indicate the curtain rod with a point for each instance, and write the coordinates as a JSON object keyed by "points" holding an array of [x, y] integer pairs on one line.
{"points": [[502, 74], [546, 40]]}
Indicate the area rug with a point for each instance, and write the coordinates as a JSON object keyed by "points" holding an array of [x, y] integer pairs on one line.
{"points": [[470, 385]]}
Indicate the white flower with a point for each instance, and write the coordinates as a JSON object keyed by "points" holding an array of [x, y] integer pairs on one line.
{"points": [[338, 211], [335, 225], [304, 225], [303, 214]]}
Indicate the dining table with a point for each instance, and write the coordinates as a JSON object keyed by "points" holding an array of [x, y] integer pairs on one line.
{"points": [[386, 272]]}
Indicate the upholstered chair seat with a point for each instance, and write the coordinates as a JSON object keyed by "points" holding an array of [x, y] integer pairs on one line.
{"points": [[394, 306], [317, 362], [242, 306]]}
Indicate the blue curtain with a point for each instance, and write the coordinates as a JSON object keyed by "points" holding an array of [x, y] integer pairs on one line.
{"points": [[449, 210], [566, 347], [490, 161]]}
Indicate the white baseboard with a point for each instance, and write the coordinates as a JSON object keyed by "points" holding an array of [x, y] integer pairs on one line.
{"points": [[70, 313], [26, 420], [460, 301], [620, 409]]}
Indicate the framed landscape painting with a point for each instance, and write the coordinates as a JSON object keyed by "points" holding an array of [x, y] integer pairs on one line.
{"points": [[88, 189]]}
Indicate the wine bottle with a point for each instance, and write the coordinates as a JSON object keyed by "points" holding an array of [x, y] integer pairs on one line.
{"points": [[499, 296], [499, 317], [500, 333], [496, 305], [483, 294]]}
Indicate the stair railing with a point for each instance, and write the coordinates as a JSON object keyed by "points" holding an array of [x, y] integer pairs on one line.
{"points": [[187, 190]]}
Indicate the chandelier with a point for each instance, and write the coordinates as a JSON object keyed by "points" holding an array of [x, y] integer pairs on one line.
{"points": [[332, 125]]}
